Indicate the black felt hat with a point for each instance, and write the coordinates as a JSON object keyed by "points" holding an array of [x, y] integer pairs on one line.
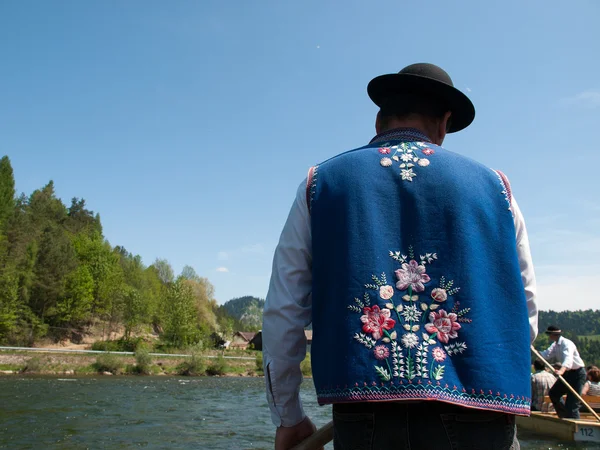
{"points": [[431, 81], [553, 330]]}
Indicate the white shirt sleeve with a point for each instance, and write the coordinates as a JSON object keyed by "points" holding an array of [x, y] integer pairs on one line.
{"points": [[526, 266], [288, 310], [567, 354], [548, 354]]}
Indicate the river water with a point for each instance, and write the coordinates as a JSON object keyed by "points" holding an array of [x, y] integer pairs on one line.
{"points": [[150, 413]]}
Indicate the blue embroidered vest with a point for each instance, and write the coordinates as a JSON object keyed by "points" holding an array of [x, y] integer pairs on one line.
{"points": [[417, 292]]}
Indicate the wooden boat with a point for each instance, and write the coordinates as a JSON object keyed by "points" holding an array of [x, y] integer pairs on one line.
{"points": [[585, 429]]}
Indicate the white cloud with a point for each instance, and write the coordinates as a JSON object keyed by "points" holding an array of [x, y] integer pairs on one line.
{"points": [[222, 269], [568, 293], [589, 98], [468, 89]]}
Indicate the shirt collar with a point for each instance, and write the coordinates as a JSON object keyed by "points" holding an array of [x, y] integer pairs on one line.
{"points": [[401, 134]]}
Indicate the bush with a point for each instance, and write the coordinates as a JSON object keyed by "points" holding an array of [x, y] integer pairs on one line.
{"points": [[218, 367], [259, 362], [34, 364], [193, 366], [143, 362], [108, 363], [120, 345], [305, 366]]}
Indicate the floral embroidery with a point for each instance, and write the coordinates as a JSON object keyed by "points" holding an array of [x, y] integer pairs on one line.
{"points": [[444, 324], [439, 295], [405, 153], [381, 352], [385, 162], [386, 292], [407, 174], [410, 340], [413, 275], [438, 354], [416, 342], [411, 313], [377, 320]]}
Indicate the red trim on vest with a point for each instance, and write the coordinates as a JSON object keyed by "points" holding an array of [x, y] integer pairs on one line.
{"points": [[506, 185], [309, 182]]}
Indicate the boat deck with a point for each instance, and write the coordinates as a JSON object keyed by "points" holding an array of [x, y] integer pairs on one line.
{"points": [[586, 429]]}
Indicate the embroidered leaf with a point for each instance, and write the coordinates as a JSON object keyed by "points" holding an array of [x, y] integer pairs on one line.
{"points": [[365, 340], [402, 166], [434, 306], [425, 336], [438, 372], [394, 335], [424, 306], [389, 305], [367, 299], [354, 308], [409, 165], [407, 327], [411, 252], [431, 341], [383, 278], [462, 312], [410, 368], [358, 302], [383, 373], [456, 348], [386, 340], [399, 308], [371, 286], [395, 158], [415, 328]]}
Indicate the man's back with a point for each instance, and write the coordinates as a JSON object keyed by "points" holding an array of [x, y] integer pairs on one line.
{"points": [[417, 291]]}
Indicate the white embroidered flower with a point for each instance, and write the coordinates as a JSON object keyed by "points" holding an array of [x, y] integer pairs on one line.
{"points": [[385, 162], [408, 174], [406, 157], [411, 313], [423, 162], [410, 340]]}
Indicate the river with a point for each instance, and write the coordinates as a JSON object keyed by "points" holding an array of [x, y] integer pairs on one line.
{"points": [[150, 412]]}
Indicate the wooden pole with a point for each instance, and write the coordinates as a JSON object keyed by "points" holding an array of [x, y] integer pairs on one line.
{"points": [[569, 387], [317, 440]]}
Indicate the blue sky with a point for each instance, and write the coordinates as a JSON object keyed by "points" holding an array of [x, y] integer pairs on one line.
{"points": [[189, 124]]}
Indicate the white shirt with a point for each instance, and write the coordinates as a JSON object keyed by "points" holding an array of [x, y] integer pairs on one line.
{"points": [[565, 352], [288, 308]]}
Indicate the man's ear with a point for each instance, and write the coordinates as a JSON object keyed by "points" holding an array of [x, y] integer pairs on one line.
{"points": [[378, 123]]}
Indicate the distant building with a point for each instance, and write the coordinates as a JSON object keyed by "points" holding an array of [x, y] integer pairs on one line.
{"points": [[256, 341], [241, 339]]}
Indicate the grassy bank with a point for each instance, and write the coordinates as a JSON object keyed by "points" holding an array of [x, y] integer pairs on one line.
{"points": [[20, 362]]}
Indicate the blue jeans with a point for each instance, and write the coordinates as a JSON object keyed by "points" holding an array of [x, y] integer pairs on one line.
{"points": [[421, 425], [569, 409]]}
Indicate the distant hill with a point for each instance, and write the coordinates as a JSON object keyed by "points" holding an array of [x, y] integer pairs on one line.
{"points": [[246, 311]]}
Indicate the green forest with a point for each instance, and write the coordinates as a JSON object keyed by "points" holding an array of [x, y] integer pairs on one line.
{"points": [[59, 274]]}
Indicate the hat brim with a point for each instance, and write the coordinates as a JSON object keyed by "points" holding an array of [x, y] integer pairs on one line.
{"points": [[396, 84], [553, 332]]}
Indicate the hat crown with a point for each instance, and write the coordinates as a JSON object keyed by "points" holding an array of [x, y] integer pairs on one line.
{"points": [[429, 71]]}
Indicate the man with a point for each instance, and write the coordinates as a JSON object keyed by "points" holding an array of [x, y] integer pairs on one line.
{"points": [[541, 382], [572, 369], [413, 265]]}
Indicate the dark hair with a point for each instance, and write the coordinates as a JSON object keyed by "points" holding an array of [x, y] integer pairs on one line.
{"points": [[402, 105], [538, 365], [594, 374]]}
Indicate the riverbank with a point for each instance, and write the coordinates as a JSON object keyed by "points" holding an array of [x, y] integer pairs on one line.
{"points": [[210, 363]]}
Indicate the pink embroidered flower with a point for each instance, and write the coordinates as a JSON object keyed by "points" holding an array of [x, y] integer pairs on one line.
{"points": [[439, 295], [412, 274], [444, 324], [423, 162], [381, 352], [386, 292], [438, 354], [376, 320], [385, 162], [384, 150], [428, 151]]}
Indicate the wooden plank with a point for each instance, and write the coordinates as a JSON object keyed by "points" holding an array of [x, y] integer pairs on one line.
{"points": [[547, 425]]}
